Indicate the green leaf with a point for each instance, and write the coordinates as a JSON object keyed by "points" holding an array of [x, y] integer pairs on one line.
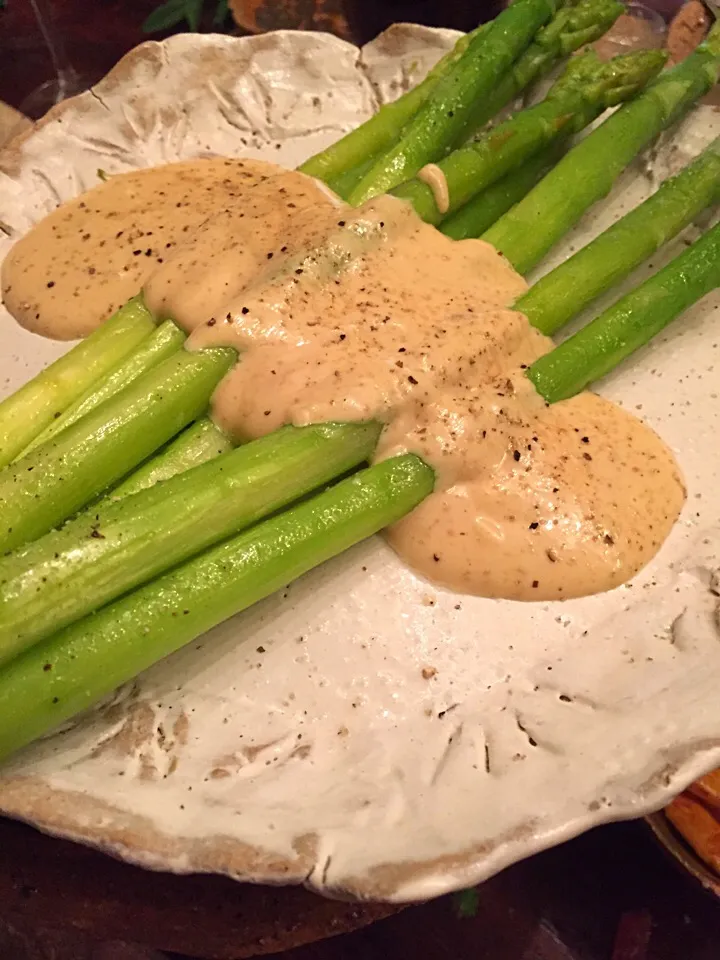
{"points": [[193, 12], [221, 13], [467, 903], [167, 15]]}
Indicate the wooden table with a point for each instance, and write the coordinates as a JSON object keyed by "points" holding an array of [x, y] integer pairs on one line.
{"points": [[611, 895]]}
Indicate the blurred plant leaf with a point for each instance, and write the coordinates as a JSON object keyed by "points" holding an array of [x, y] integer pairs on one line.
{"points": [[167, 15], [221, 13], [173, 12], [193, 12], [467, 903]]}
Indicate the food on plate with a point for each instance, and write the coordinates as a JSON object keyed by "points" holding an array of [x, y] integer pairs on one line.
{"points": [[324, 334]]}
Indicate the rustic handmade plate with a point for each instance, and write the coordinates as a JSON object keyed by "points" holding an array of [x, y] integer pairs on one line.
{"points": [[364, 732]]}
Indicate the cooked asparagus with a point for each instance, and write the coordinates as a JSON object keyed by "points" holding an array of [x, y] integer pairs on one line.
{"points": [[118, 545], [585, 90], [24, 414], [344, 165], [564, 292], [630, 323], [441, 122], [52, 482], [588, 171], [60, 677]]}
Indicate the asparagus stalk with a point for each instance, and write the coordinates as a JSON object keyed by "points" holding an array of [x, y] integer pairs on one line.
{"points": [[587, 87], [60, 677], [441, 121], [383, 128], [162, 343], [49, 484], [571, 27], [588, 171], [24, 414], [490, 204], [344, 183], [200, 442], [630, 323], [564, 292], [119, 545]]}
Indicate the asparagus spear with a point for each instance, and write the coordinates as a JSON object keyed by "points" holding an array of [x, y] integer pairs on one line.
{"points": [[51, 483], [630, 323], [441, 121], [588, 171], [571, 27], [587, 87], [161, 343], [28, 411], [564, 292], [383, 128], [60, 677], [490, 204], [119, 545], [200, 442]]}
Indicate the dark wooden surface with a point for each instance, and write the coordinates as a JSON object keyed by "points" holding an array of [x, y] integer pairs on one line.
{"points": [[611, 895]]}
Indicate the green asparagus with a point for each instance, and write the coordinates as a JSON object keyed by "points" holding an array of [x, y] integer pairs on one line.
{"points": [[24, 414], [51, 483], [117, 546], [441, 121], [564, 292], [58, 678], [198, 443], [490, 204], [382, 129], [630, 323], [571, 27], [162, 343], [587, 87], [588, 171]]}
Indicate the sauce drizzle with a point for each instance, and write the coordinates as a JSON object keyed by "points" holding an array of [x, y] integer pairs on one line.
{"points": [[351, 314]]}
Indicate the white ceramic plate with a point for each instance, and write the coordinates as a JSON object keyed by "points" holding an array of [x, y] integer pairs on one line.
{"points": [[300, 742]]}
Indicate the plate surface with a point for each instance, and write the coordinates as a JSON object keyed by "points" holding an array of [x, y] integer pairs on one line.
{"points": [[301, 742]]}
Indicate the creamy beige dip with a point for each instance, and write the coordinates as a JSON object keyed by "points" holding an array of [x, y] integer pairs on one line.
{"points": [[351, 314], [92, 254]]}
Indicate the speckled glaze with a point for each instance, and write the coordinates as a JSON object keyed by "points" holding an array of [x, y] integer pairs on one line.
{"points": [[363, 732]]}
